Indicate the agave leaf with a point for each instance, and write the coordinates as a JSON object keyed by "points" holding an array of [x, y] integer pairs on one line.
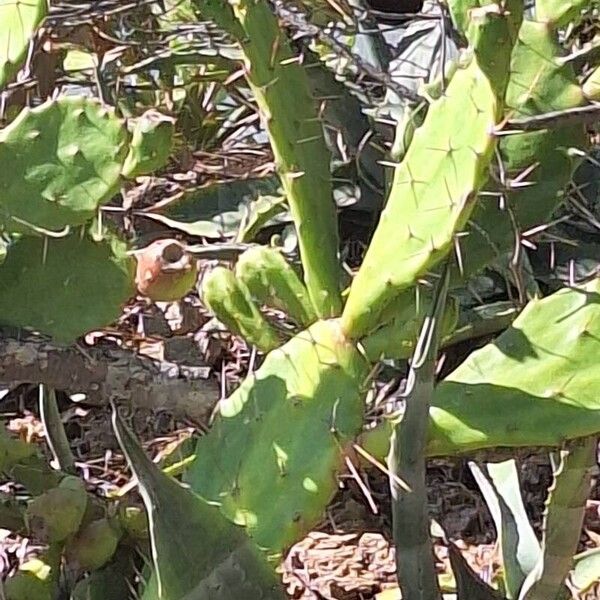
{"points": [[565, 510], [197, 553], [469, 586], [520, 549], [414, 550]]}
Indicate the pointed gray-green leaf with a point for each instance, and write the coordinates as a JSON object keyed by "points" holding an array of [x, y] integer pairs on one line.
{"points": [[468, 585], [565, 509], [197, 554], [415, 563], [520, 549]]}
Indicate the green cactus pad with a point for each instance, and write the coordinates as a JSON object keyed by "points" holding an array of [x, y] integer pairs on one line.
{"points": [[560, 13], [25, 585], [271, 457], [432, 195], [60, 161], [57, 514], [272, 281], [196, 552], [591, 87], [18, 24], [281, 89], [151, 143], [398, 338], [231, 302], [459, 12], [536, 385], [93, 545], [541, 159], [13, 450], [64, 287]]}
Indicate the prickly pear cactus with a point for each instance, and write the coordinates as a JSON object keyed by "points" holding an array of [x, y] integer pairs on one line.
{"points": [[560, 13], [93, 545], [151, 143], [591, 87], [272, 281], [13, 450], [536, 166], [230, 301], [436, 185], [31, 582], [281, 88], [60, 161], [307, 395], [397, 338], [533, 386], [18, 24], [57, 514], [73, 285]]}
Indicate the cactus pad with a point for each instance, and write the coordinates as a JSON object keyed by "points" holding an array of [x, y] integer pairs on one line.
{"points": [[60, 161], [57, 514], [291, 117], [540, 162], [560, 13], [432, 195], [231, 302], [536, 385], [151, 143], [272, 281], [72, 284], [94, 545], [18, 23], [281, 436]]}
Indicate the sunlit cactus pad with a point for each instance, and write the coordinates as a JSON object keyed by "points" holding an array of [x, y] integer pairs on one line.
{"points": [[59, 162], [272, 454]]}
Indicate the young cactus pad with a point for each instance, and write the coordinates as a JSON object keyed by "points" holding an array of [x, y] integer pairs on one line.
{"points": [[281, 89], [57, 514], [432, 196], [272, 281], [151, 143], [231, 302], [59, 162], [281, 435]]}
